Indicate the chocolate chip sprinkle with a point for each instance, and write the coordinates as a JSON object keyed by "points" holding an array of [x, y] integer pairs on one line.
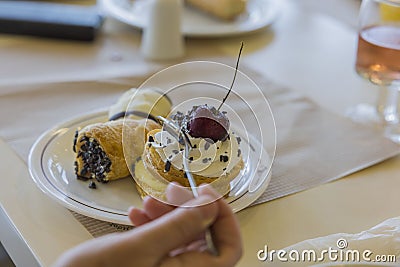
{"points": [[181, 141], [167, 166], [92, 185], [83, 171], [238, 139], [151, 139], [223, 158], [178, 118], [206, 145]]}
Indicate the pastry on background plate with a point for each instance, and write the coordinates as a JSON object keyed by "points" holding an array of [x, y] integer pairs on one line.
{"points": [[222, 9]]}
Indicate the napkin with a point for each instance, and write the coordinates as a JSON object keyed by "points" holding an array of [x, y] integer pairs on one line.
{"points": [[314, 146]]}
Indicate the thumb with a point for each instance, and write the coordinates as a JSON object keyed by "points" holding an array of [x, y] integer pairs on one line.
{"points": [[181, 226]]}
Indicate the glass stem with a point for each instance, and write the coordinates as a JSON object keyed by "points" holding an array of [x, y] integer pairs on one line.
{"points": [[391, 112], [382, 102]]}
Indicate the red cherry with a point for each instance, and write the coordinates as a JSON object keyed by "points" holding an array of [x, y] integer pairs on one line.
{"points": [[208, 122]]}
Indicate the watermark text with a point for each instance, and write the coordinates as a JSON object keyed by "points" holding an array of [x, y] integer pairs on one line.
{"points": [[340, 253]]}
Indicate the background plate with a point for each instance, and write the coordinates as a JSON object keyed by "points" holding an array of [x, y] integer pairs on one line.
{"points": [[259, 14]]}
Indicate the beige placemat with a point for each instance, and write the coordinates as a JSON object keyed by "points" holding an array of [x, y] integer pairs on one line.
{"points": [[314, 146]]}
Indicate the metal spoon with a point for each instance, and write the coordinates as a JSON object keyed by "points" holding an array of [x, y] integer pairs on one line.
{"points": [[173, 129]]}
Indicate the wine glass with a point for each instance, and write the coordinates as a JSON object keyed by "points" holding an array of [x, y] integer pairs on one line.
{"points": [[378, 60]]}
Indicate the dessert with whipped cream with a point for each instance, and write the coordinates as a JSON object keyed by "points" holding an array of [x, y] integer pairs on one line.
{"points": [[214, 154]]}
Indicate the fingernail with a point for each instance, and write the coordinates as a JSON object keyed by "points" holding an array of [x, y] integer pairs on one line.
{"points": [[146, 198]]}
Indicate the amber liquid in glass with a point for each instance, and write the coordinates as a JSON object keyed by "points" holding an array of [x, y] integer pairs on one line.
{"points": [[378, 54]]}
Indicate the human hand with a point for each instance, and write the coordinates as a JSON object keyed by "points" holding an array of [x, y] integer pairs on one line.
{"points": [[167, 236], [226, 234]]}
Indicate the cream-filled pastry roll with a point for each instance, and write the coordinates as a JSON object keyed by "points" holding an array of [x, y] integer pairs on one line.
{"points": [[140, 103], [99, 149]]}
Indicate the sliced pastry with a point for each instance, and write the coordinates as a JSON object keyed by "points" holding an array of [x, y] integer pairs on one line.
{"points": [[99, 150]]}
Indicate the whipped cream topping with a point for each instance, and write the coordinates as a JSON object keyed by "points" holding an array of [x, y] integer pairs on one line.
{"points": [[206, 158]]}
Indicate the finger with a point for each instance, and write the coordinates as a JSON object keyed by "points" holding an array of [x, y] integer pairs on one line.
{"points": [[137, 216], [180, 226], [226, 236], [193, 259], [177, 194], [154, 208]]}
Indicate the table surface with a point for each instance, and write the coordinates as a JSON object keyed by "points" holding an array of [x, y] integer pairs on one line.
{"points": [[304, 50]]}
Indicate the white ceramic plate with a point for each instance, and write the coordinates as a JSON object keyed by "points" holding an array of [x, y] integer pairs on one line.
{"points": [[51, 164], [258, 15]]}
